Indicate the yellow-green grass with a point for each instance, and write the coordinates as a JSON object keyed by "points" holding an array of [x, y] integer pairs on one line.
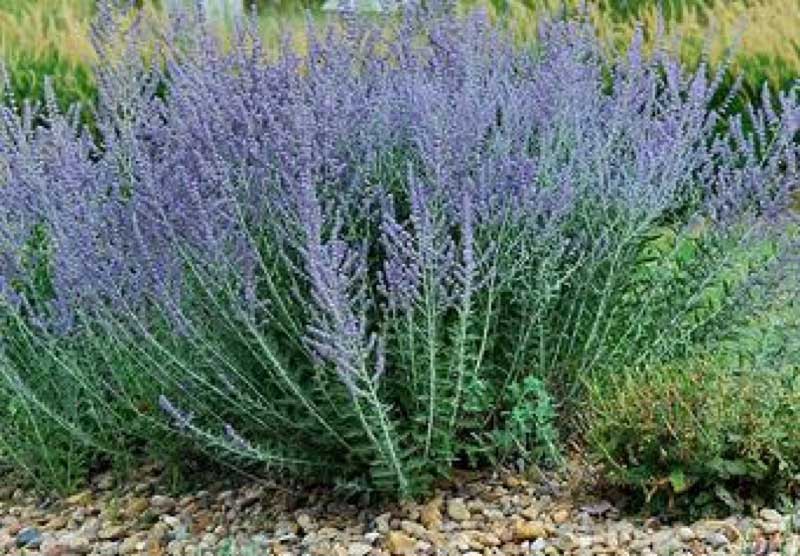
{"points": [[761, 38], [39, 37]]}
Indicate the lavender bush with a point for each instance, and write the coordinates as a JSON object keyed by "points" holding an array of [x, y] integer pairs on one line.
{"points": [[391, 254]]}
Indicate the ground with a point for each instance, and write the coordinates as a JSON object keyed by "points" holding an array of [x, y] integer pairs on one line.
{"points": [[495, 514]]}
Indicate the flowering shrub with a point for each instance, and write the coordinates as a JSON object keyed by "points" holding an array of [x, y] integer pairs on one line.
{"points": [[398, 253]]}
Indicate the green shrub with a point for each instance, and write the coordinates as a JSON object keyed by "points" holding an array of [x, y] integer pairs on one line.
{"points": [[707, 426], [375, 263], [696, 427]]}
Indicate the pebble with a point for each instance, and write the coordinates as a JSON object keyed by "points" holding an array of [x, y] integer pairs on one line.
{"points": [[29, 537], [112, 533], [529, 530], [560, 516], [83, 498], [716, 540], [768, 514], [135, 507], [414, 529], [430, 514], [359, 549], [457, 509], [162, 504], [400, 544]]}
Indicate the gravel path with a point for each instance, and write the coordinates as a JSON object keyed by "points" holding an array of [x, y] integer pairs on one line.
{"points": [[476, 515]]}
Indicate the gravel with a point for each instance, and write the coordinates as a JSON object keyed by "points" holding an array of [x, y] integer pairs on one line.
{"points": [[475, 515]]}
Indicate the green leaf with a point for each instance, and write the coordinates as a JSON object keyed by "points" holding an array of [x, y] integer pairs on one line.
{"points": [[679, 481]]}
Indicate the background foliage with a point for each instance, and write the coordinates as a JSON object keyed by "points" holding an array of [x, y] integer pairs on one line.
{"points": [[51, 37]]}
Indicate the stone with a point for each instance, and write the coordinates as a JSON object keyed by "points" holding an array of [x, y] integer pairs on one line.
{"points": [[560, 516], [112, 533], [128, 546], [667, 544], [414, 529], [685, 534], [487, 539], [358, 549], [83, 498], [457, 509], [430, 515], [771, 527], [372, 537], [158, 533], [400, 544], [108, 549], [91, 529], [29, 537], [58, 522], [716, 540], [77, 544], [136, 507], [162, 504], [7, 542], [598, 508], [532, 512], [305, 522], [209, 540], [768, 514], [529, 530], [538, 545]]}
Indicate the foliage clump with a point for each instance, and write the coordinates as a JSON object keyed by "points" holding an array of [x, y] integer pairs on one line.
{"points": [[393, 255]]}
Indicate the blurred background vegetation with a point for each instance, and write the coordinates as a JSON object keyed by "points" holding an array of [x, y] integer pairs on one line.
{"points": [[41, 38]]}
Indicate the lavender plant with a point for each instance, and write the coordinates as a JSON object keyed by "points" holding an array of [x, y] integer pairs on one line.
{"points": [[378, 259]]}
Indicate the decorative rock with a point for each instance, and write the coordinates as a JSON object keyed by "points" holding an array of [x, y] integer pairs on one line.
{"points": [[162, 504], [58, 522], [666, 544], [158, 533], [305, 523], [457, 509], [109, 549], [113, 533], [382, 523], [400, 544], [430, 514], [128, 546], [716, 540], [529, 530], [372, 537], [29, 537], [768, 514], [136, 507], [538, 545], [414, 529], [83, 498], [560, 516], [358, 549], [77, 545], [531, 512]]}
